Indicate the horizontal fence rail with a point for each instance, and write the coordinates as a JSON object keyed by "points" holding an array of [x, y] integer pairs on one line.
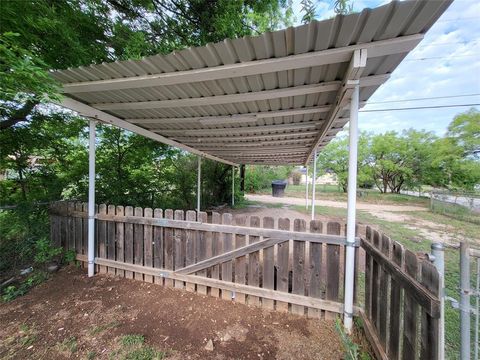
{"points": [[282, 265], [402, 304]]}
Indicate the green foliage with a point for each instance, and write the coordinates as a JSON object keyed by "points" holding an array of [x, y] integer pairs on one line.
{"points": [[351, 349], [69, 256], [259, 177], [45, 252], [464, 131], [12, 292], [69, 345], [130, 340], [343, 7], [134, 348], [308, 8], [393, 162], [22, 74]]}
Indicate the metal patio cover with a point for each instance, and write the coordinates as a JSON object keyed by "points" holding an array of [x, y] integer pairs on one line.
{"points": [[268, 99]]}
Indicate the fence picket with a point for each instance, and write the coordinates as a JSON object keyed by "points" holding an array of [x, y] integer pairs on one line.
{"points": [[315, 264], [368, 275], [375, 281], [190, 247], [102, 237], [179, 244], [430, 326], [216, 250], [138, 244], [227, 266], [158, 246], [395, 305], [298, 266], [201, 250], [147, 244], [254, 263], [268, 279], [168, 246], [410, 311], [333, 264], [385, 247], [77, 228], [283, 254], [240, 262], [128, 242], [110, 243], [120, 240]]}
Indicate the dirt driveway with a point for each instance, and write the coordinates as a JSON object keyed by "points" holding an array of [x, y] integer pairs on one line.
{"points": [[72, 316], [338, 204]]}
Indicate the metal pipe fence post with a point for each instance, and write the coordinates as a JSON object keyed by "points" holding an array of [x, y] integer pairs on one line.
{"points": [[306, 188], [233, 186], [199, 181], [438, 252], [477, 308], [91, 199], [464, 301], [351, 211], [314, 178]]}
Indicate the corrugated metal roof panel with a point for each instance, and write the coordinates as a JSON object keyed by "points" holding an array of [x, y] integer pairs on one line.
{"points": [[387, 22]]}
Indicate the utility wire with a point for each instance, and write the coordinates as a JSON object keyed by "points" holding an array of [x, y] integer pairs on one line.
{"points": [[442, 57], [421, 99], [420, 107]]}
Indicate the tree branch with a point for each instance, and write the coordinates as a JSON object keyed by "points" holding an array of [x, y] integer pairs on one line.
{"points": [[18, 115]]}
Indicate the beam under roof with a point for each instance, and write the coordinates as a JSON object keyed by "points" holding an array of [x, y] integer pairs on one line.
{"points": [[351, 79], [398, 45], [90, 112]]}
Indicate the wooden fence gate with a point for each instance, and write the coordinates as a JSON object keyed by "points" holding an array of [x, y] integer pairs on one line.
{"points": [[245, 259], [402, 304]]}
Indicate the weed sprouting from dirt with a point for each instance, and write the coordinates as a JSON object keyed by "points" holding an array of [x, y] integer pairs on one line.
{"points": [[69, 345], [101, 328], [133, 348], [130, 340]]}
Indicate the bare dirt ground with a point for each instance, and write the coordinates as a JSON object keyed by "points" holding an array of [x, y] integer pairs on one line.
{"points": [[432, 231], [94, 313], [338, 204]]}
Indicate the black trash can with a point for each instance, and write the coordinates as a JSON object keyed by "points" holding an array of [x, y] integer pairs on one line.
{"points": [[278, 188]]}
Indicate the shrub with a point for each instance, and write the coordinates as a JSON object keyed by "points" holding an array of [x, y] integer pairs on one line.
{"points": [[296, 177]]}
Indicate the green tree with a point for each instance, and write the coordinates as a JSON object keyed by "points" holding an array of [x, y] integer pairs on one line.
{"points": [[464, 131], [334, 158]]}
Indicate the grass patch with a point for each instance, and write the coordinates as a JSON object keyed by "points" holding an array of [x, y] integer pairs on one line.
{"points": [[333, 192], [101, 328], [132, 347], [130, 340], [247, 203], [322, 210], [69, 345]]}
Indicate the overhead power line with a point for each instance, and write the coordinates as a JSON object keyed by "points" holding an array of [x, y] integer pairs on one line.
{"points": [[422, 99], [421, 107]]}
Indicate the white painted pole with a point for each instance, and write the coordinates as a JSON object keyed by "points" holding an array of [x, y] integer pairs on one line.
{"points": [[351, 211], [233, 186], [314, 178], [91, 199], [199, 178], [306, 188]]}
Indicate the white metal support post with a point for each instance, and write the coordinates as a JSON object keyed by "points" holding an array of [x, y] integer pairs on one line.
{"points": [[306, 187], [199, 179], [233, 186], [351, 211], [314, 178], [91, 199]]}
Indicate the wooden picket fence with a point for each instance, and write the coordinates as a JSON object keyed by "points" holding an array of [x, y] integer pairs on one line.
{"points": [[279, 265], [402, 305]]}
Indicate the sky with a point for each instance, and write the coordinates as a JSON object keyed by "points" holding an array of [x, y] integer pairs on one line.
{"points": [[445, 63]]}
